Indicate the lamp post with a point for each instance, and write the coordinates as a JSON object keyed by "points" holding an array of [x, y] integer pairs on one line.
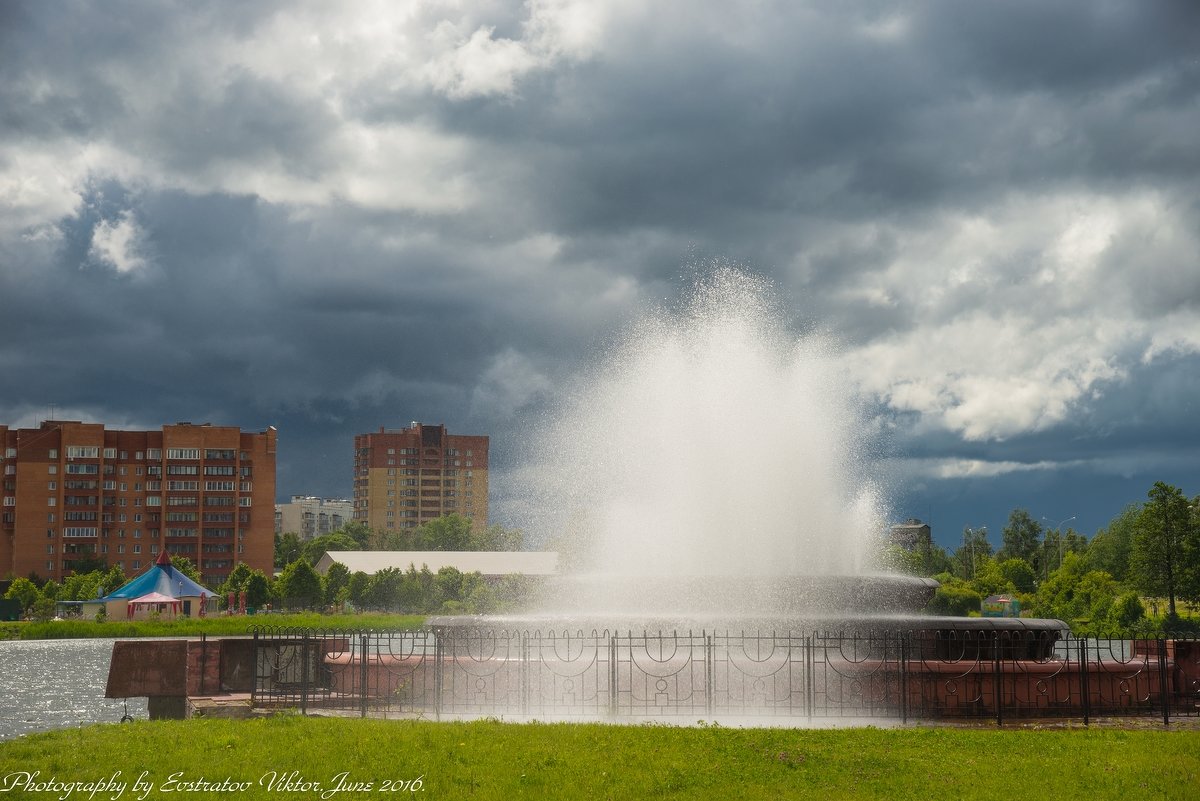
{"points": [[970, 544], [1058, 528]]}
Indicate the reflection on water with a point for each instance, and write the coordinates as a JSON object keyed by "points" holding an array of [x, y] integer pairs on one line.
{"points": [[54, 684]]}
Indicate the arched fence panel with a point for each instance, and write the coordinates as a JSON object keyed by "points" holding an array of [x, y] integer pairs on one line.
{"points": [[946, 674]]}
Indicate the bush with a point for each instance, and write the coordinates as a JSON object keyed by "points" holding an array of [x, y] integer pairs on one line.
{"points": [[952, 600]]}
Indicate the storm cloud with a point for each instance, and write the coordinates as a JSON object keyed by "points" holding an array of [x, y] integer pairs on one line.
{"points": [[332, 217]]}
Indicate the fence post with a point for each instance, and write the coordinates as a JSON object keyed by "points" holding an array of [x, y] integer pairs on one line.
{"points": [[304, 673], [904, 677], [613, 682], [1162, 680], [364, 656], [203, 659], [997, 690], [523, 678], [439, 652], [809, 678], [1083, 681], [709, 669], [254, 684]]}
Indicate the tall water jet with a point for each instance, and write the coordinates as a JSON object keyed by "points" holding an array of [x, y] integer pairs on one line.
{"points": [[710, 458]]}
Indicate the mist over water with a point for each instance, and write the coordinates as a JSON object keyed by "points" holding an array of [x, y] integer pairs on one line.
{"points": [[711, 441]]}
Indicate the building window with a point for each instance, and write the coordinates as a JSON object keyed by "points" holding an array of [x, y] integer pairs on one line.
{"points": [[52, 469], [110, 453], [83, 452], [137, 564], [183, 453], [52, 501]]}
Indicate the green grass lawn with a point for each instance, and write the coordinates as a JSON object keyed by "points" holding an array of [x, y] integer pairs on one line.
{"points": [[491, 760], [217, 625]]}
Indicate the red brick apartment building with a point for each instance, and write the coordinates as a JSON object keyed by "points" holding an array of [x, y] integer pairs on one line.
{"points": [[72, 491], [408, 477]]}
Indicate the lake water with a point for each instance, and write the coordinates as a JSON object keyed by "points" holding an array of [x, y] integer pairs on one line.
{"points": [[55, 684]]}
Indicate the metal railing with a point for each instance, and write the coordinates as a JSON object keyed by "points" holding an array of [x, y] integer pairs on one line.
{"points": [[916, 675]]}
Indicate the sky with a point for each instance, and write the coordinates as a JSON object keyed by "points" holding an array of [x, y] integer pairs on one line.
{"points": [[332, 217]]}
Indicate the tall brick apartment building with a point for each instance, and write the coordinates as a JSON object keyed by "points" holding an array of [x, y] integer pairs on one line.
{"points": [[407, 477], [72, 491]]}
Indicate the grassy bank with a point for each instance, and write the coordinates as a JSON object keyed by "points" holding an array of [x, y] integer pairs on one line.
{"points": [[194, 627], [489, 760]]}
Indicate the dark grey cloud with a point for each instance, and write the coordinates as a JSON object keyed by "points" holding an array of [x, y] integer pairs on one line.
{"points": [[291, 214]]}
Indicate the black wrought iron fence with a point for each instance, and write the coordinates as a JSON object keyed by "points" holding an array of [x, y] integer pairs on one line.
{"points": [[712, 675]]}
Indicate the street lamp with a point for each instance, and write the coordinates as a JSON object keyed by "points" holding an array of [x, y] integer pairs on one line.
{"points": [[1058, 528], [971, 544]]}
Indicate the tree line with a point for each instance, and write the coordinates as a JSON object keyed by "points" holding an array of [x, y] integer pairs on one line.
{"points": [[299, 586], [451, 532], [1138, 571]]}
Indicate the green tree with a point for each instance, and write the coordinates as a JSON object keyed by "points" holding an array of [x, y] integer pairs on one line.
{"points": [[954, 597], [1022, 537], [314, 549], [989, 580], [287, 548], [258, 590], [81, 586], [298, 586], [1075, 594], [337, 578], [111, 581], [1125, 613], [1163, 557], [356, 589], [1018, 573], [25, 591], [383, 589], [185, 566], [44, 608], [359, 532], [1055, 546], [497, 538], [1111, 548], [975, 547], [447, 533], [235, 582]]}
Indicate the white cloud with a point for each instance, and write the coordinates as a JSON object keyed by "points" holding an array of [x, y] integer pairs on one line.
{"points": [[480, 66], [952, 468], [119, 244], [1020, 313]]}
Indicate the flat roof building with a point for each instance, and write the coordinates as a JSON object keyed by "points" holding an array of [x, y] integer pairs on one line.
{"points": [[309, 516], [74, 492], [491, 564], [406, 477]]}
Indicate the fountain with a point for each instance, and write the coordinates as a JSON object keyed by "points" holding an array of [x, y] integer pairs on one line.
{"points": [[713, 472], [708, 486]]}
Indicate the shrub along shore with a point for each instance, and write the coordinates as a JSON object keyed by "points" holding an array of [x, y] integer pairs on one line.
{"points": [[297, 757], [213, 626]]}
